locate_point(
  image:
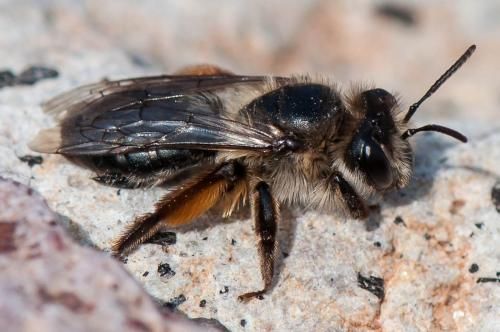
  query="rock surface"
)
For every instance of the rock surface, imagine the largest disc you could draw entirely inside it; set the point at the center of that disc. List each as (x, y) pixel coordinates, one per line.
(50, 283)
(434, 244)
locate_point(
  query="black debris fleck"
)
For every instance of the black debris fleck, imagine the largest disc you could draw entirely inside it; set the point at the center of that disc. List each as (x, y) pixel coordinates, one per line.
(118, 192)
(203, 303)
(243, 323)
(7, 78)
(145, 274)
(29, 76)
(175, 302)
(479, 225)
(374, 285)
(427, 236)
(377, 244)
(495, 196)
(31, 160)
(473, 268)
(224, 291)
(398, 13)
(233, 242)
(205, 238)
(483, 280)
(34, 74)
(399, 221)
(163, 238)
(164, 270)
(285, 254)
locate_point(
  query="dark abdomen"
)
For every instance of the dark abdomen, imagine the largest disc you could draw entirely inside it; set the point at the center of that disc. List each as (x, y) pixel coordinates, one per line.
(144, 162)
(143, 168)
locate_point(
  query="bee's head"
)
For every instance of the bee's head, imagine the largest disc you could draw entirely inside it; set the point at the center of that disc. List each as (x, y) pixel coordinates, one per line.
(379, 147)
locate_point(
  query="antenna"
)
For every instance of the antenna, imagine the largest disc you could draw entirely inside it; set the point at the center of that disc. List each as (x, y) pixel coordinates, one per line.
(413, 108)
(438, 128)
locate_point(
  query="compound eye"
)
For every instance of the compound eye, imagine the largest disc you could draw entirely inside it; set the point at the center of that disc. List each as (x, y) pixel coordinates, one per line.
(373, 161)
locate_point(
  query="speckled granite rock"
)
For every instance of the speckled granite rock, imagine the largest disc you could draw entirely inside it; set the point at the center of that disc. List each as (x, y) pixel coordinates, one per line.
(431, 249)
(50, 283)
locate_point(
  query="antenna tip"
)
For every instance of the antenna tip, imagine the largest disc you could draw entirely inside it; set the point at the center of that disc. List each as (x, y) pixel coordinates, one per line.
(471, 50)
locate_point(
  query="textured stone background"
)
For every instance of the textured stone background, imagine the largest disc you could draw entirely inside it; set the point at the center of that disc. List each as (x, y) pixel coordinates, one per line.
(449, 218)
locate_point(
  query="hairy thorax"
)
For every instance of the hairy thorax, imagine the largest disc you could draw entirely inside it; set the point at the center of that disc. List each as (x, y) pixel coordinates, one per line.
(293, 177)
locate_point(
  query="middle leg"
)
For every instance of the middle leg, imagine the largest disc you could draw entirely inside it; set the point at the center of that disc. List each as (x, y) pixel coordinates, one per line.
(265, 211)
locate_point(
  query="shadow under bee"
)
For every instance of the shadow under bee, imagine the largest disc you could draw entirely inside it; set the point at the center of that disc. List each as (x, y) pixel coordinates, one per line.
(426, 167)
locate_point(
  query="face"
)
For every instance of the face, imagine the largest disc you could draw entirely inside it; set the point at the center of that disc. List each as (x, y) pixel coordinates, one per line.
(372, 147)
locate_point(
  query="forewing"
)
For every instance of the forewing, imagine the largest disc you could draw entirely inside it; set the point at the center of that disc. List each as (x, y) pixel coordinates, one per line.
(154, 86)
(172, 112)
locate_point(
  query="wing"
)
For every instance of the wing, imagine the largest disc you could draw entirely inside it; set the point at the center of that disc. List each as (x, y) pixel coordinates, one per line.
(172, 112)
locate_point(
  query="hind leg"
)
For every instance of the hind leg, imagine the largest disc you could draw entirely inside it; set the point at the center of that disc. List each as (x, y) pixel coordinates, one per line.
(181, 206)
(116, 180)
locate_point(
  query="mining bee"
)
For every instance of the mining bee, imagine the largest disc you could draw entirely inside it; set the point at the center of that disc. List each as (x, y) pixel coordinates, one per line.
(220, 139)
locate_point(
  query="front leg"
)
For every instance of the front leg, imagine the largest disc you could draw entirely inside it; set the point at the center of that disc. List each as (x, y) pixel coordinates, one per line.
(265, 211)
(351, 199)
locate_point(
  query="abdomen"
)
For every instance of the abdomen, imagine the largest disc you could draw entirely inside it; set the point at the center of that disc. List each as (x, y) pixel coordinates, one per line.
(143, 168)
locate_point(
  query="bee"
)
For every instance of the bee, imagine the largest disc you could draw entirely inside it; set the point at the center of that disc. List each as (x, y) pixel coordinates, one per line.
(220, 139)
